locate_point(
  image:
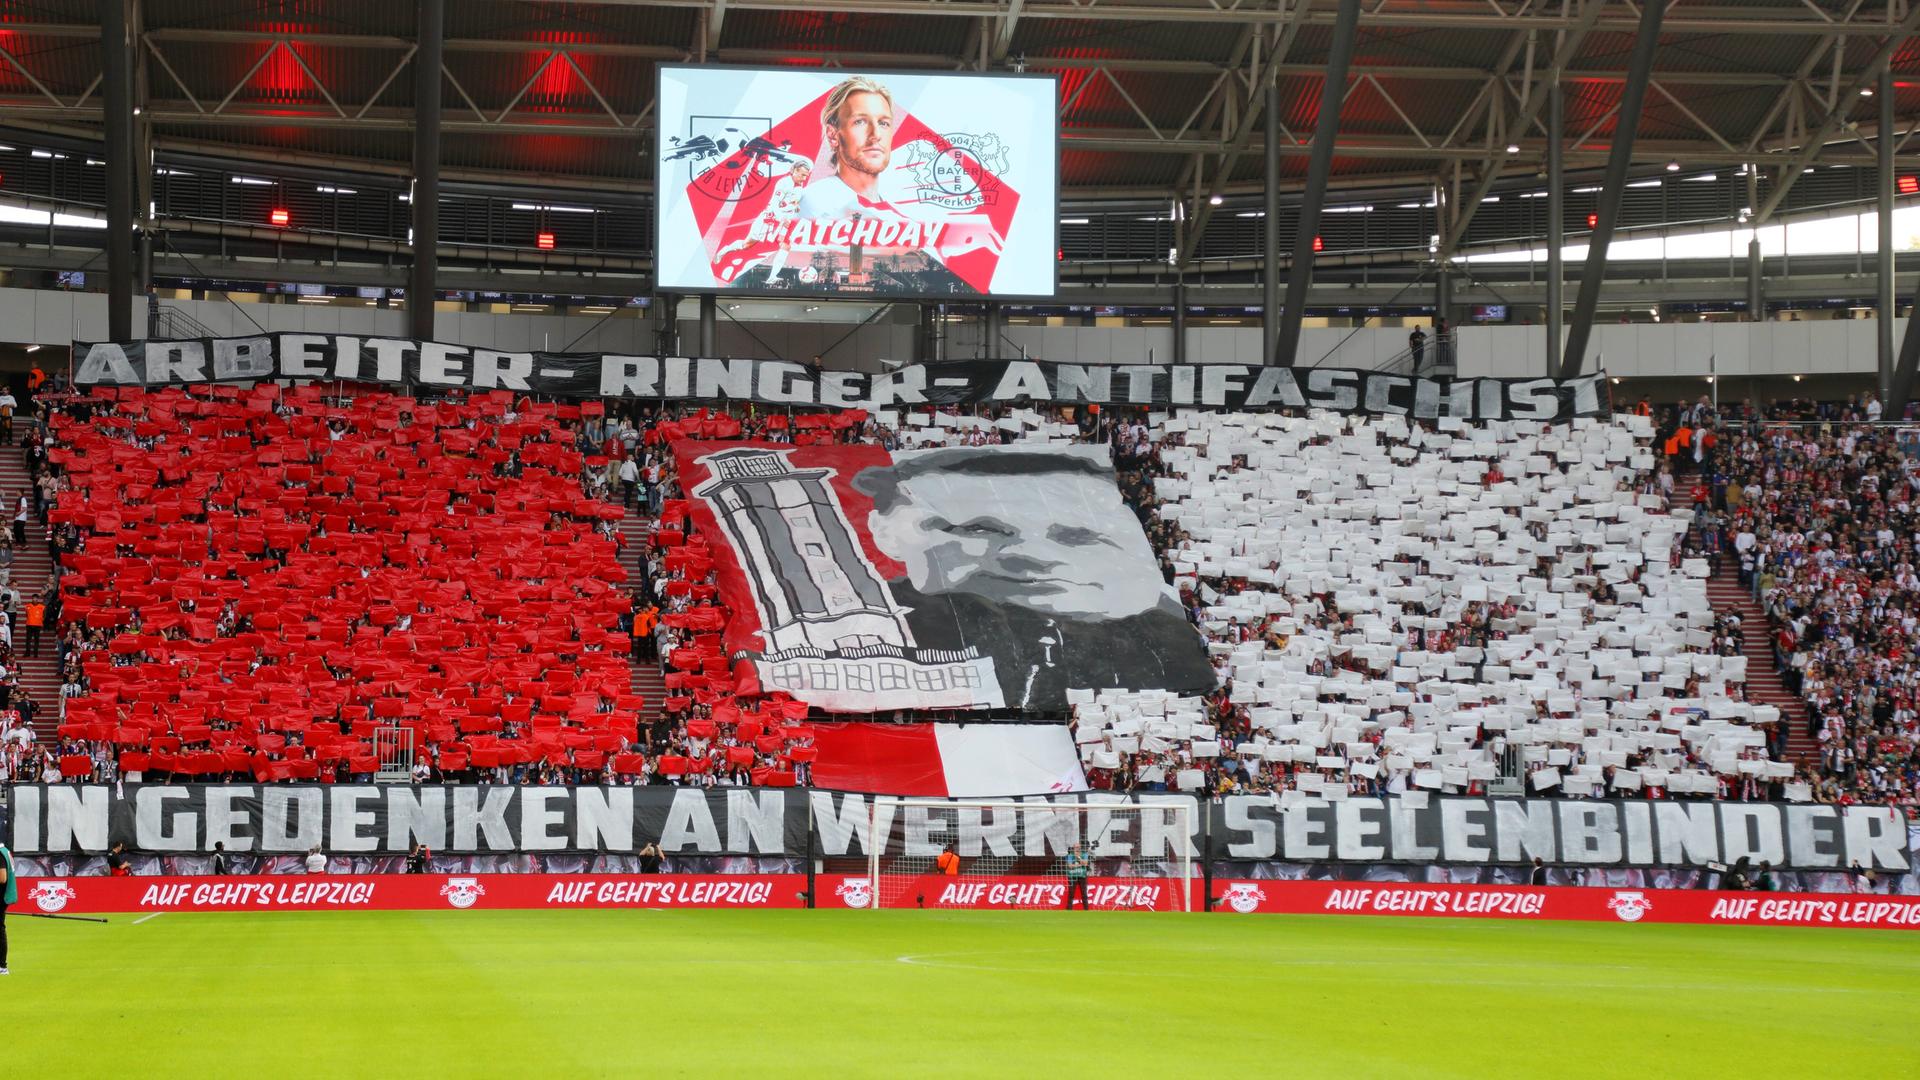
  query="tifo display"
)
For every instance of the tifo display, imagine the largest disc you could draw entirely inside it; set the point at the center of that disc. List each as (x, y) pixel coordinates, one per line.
(1329, 643)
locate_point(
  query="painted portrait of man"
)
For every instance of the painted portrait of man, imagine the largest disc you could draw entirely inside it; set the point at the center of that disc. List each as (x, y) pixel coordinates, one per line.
(1032, 557)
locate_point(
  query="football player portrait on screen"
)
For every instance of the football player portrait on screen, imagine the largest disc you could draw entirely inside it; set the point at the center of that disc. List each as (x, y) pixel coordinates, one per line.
(859, 125)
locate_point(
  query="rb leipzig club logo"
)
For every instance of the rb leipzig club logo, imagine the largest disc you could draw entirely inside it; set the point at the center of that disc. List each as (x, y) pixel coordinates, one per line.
(463, 892)
(855, 892)
(52, 896)
(1244, 897)
(1630, 906)
(730, 158)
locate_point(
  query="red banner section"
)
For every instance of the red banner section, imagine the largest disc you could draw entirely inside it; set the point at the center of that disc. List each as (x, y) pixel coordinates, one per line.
(1001, 893)
(1601, 904)
(898, 758)
(407, 892)
(396, 892)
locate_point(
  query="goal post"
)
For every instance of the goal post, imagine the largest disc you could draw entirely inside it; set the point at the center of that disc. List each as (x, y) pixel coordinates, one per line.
(1020, 854)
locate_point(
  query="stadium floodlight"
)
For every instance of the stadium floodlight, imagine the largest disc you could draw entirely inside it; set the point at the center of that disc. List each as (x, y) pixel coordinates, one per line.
(1013, 853)
(1513, 148)
(1673, 166)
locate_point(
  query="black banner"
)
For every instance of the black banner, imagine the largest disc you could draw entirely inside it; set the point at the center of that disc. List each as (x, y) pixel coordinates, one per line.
(437, 365)
(388, 819)
(1448, 830)
(1563, 832)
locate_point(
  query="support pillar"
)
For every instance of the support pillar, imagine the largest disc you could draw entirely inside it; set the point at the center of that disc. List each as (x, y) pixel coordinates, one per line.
(1756, 295)
(923, 334)
(1884, 256)
(1179, 324)
(143, 159)
(1270, 267)
(425, 204)
(1901, 390)
(991, 346)
(116, 83)
(666, 324)
(1556, 226)
(709, 312)
(1626, 122)
(1319, 164)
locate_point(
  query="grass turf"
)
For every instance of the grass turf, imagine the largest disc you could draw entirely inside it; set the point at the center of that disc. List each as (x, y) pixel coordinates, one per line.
(842, 993)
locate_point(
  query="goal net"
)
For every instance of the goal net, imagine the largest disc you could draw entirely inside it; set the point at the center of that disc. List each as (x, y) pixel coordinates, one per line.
(1007, 853)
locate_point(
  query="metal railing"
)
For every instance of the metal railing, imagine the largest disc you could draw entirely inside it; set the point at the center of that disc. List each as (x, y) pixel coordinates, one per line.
(166, 323)
(1438, 357)
(393, 748)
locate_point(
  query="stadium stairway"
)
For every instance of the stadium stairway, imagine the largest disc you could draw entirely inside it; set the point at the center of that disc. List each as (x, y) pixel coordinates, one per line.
(648, 680)
(32, 565)
(1765, 686)
(1764, 683)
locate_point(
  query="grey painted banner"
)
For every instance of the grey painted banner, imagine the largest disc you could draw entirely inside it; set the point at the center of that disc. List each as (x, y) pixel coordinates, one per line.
(389, 819)
(429, 365)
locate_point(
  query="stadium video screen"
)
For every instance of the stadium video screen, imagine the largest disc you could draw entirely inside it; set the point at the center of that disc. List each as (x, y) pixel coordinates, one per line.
(835, 182)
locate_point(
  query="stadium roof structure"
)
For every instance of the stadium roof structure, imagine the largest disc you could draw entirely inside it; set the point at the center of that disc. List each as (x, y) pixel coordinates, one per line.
(1156, 96)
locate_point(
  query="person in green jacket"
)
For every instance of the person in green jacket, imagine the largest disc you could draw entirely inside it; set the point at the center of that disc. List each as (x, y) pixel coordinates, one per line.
(1079, 866)
(9, 895)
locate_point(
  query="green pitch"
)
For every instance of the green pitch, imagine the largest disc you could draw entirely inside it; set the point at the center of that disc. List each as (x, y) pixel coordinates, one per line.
(846, 994)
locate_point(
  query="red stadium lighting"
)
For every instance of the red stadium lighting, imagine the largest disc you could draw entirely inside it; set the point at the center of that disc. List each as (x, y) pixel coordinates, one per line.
(1593, 221)
(1908, 185)
(1319, 245)
(544, 241)
(279, 217)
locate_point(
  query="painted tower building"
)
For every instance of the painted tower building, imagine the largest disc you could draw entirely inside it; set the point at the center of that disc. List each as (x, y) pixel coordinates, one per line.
(815, 589)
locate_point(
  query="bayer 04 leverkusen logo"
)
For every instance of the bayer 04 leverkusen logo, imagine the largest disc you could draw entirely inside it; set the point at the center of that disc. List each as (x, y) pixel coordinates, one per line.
(964, 175)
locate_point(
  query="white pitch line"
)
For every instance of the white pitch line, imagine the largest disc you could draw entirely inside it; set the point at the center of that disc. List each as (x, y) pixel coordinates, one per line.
(144, 918)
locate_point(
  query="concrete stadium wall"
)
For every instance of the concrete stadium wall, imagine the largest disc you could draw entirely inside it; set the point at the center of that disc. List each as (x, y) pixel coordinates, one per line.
(1827, 347)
